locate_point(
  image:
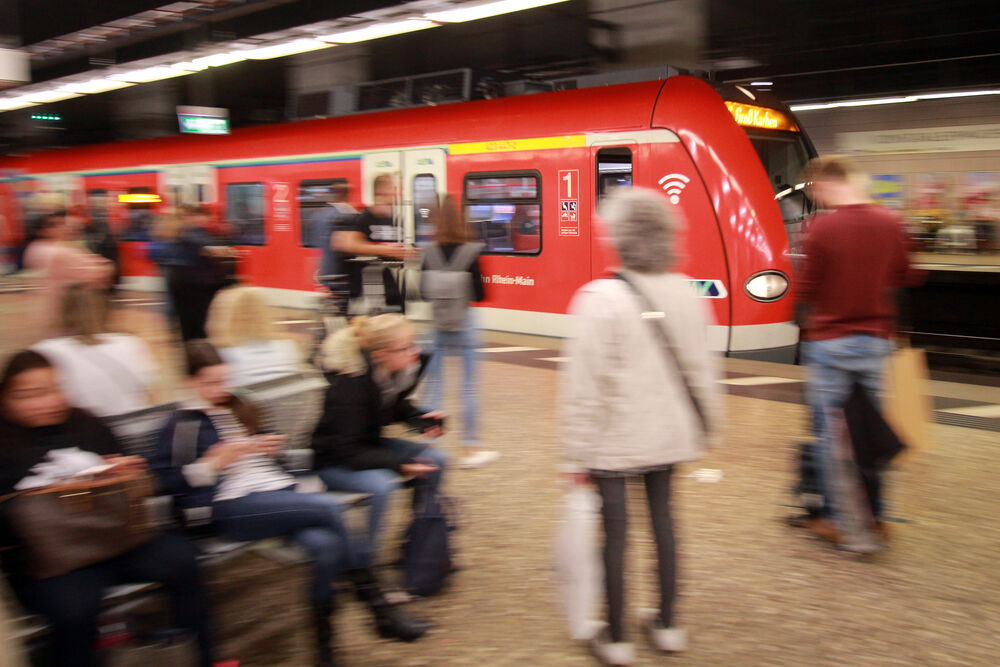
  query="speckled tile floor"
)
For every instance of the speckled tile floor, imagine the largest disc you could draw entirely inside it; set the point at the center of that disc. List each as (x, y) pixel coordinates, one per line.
(754, 592)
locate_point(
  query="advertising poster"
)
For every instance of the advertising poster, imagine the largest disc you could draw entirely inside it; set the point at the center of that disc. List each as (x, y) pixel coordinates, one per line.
(888, 190)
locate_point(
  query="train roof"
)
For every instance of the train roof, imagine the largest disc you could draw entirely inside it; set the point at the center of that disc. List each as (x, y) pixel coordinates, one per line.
(611, 108)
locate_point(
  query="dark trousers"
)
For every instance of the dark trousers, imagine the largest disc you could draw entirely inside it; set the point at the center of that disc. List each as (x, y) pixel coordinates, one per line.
(191, 301)
(72, 602)
(615, 515)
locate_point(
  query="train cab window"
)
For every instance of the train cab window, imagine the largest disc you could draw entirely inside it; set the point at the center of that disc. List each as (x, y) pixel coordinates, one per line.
(425, 205)
(504, 211)
(245, 213)
(140, 217)
(614, 170)
(313, 197)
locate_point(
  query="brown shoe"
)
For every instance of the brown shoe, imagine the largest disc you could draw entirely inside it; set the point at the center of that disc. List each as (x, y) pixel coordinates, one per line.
(825, 530)
(883, 531)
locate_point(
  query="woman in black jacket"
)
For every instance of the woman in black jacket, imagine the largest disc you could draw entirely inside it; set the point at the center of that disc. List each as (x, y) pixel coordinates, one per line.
(373, 367)
(35, 419)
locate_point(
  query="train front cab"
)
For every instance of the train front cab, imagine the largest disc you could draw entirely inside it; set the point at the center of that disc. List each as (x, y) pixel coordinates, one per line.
(737, 233)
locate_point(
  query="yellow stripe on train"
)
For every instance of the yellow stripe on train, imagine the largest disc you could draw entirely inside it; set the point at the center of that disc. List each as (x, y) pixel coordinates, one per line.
(507, 145)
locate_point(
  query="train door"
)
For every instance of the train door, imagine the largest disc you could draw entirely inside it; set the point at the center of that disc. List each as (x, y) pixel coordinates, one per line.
(191, 184)
(421, 180)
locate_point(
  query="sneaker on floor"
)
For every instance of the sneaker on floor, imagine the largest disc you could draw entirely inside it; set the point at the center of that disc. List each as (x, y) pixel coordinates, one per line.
(669, 640)
(612, 653)
(478, 458)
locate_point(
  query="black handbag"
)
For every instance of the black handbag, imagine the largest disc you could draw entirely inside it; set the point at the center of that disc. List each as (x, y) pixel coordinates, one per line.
(427, 552)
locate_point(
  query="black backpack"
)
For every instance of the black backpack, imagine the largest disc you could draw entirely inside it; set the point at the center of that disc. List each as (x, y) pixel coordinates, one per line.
(427, 552)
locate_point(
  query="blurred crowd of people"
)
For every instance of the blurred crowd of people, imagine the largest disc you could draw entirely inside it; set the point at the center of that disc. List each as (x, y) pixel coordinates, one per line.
(639, 391)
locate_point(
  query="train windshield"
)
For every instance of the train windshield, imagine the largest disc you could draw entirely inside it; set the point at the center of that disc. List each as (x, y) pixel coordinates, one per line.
(784, 156)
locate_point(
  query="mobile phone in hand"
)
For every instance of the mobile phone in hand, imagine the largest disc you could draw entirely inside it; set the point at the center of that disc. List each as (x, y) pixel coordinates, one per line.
(423, 424)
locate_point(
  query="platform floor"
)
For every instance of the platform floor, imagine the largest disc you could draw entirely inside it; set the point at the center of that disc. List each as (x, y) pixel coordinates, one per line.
(754, 591)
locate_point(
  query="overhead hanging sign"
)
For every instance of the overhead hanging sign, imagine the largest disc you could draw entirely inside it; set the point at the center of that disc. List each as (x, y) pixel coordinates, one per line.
(203, 120)
(951, 139)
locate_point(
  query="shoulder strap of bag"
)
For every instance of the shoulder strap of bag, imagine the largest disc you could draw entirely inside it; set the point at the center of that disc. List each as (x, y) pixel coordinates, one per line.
(669, 351)
(435, 257)
(463, 257)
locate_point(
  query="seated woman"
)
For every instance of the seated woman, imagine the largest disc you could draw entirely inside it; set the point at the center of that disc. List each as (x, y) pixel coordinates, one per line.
(102, 372)
(372, 367)
(35, 418)
(241, 327)
(211, 456)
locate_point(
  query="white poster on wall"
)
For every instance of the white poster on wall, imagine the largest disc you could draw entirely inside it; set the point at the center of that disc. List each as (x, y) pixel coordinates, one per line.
(921, 140)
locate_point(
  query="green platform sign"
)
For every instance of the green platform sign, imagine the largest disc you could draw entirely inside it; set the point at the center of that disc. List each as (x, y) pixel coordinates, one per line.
(203, 125)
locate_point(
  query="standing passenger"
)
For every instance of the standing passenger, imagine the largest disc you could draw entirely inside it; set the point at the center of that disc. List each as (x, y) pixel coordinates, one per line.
(450, 279)
(856, 260)
(199, 273)
(61, 264)
(371, 232)
(628, 412)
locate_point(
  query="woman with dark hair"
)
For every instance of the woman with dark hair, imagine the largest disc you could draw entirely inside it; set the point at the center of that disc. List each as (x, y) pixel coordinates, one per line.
(212, 457)
(35, 419)
(453, 261)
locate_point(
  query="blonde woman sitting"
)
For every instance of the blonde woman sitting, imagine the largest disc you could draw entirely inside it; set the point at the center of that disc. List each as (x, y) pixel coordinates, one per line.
(373, 367)
(241, 327)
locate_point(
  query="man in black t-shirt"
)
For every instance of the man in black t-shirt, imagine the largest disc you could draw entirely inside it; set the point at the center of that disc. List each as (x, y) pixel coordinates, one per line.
(371, 232)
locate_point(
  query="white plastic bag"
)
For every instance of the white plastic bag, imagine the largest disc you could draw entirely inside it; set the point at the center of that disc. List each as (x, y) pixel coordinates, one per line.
(579, 570)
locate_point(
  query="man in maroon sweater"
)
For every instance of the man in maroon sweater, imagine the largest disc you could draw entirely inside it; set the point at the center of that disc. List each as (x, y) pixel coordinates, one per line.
(856, 260)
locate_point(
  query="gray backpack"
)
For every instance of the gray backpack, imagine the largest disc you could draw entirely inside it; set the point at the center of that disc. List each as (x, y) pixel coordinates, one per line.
(448, 284)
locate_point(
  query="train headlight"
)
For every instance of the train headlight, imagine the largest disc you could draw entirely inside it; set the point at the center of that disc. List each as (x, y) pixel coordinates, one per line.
(767, 286)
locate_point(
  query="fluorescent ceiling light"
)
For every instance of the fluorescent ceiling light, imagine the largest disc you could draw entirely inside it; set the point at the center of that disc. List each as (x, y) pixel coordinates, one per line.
(150, 74)
(190, 66)
(96, 86)
(219, 59)
(892, 100)
(377, 30)
(483, 10)
(11, 103)
(55, 95)
(303, 45)
(761, 83)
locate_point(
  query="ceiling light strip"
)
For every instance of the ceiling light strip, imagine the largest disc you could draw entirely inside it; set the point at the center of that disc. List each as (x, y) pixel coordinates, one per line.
(892, 100)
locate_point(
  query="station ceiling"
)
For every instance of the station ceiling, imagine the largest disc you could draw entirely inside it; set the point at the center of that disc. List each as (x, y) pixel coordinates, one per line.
(810, 50)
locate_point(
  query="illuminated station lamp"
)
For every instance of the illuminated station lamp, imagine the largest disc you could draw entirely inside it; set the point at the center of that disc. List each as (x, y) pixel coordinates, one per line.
(203, 120)
(139, 198)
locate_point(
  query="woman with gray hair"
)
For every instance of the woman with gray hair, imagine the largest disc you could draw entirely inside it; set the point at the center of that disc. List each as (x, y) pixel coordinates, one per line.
(639, 397)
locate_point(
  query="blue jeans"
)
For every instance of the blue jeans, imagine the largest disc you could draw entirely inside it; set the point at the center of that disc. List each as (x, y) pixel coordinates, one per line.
(832, 368)
(380, 483)
(464, 343)
(310, 520)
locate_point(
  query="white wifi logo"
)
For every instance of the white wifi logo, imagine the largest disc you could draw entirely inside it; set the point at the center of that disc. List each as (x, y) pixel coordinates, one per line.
(674, 184)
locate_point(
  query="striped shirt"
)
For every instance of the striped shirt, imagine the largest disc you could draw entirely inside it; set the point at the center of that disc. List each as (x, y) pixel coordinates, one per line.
(250, 474)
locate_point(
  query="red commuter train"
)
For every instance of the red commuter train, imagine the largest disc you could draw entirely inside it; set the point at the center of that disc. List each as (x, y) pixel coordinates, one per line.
(529, 171)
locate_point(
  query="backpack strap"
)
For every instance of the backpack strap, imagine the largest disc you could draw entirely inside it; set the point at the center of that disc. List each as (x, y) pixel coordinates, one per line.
(464, 256)
(434, 257)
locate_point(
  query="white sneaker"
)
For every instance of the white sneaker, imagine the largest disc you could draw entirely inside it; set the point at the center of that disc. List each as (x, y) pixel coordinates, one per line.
(478, 459)
(669, 640)
(612, 653)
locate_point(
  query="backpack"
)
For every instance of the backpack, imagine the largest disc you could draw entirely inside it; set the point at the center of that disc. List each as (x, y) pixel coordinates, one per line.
(448, 284)
(427, 553)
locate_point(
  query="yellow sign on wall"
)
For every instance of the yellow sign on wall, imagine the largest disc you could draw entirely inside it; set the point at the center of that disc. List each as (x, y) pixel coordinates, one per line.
(749, 115)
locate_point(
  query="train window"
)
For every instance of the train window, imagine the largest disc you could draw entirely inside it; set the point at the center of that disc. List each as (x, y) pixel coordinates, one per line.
(245, 212)
(504, 211)
(425, 204)
(614, 170)
(313, 197)
(97, 205)
(140, 218)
